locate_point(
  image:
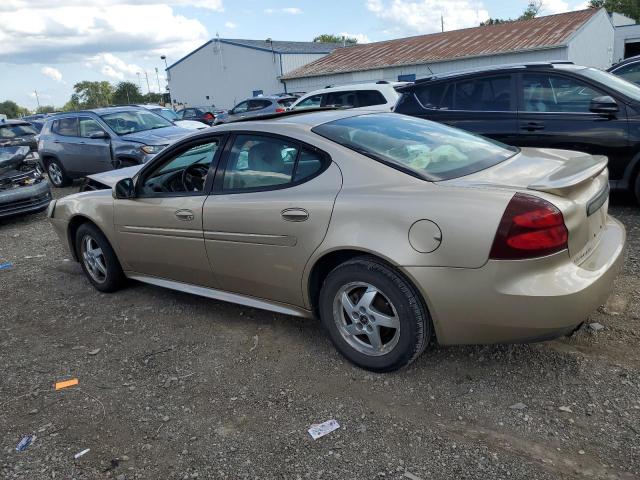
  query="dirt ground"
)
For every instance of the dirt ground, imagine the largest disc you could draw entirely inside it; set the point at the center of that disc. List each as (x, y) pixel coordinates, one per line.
(173, 386)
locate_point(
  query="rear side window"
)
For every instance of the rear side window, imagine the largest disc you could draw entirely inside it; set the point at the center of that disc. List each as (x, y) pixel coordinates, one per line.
(342, 99)
(286, 102)
(421, 148)
(492, 94)
(370, 97)
(257, 162)
(67, 127)
(430, 96)
(258, 104)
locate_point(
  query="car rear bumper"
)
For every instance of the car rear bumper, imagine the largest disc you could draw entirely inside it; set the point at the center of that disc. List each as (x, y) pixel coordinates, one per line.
(27, 199)
(520, 301)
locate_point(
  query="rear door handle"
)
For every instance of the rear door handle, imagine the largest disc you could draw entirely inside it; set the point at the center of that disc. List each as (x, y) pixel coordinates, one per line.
(295, 214)
(532, 126)
(186, 215)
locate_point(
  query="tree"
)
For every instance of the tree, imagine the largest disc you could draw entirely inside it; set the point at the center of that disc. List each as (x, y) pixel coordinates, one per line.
(630, 8)
(152, 97)
(46, 109)
(92, 94)
(11, 109)
(331, 38)
(126, 92)
(532, 11)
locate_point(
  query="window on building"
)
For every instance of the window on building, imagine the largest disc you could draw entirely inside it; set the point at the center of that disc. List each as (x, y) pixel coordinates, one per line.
(407, 77)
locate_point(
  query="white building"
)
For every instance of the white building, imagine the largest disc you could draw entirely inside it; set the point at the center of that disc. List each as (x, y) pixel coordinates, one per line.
(222, 72)
(627, 43)
(585, 37)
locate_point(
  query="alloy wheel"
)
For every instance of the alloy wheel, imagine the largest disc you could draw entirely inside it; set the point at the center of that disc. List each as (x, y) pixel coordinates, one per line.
(55, 173)
(366, 319)
(93, 259)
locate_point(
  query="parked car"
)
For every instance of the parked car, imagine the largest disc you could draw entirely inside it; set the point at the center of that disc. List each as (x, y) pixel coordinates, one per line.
(17, 133)
(171, 115)
(200, 114)
(546, 105)
(382, 95)
(23, 187)
(629, 69)
(391, 229)
(75, 144)
(255, 107)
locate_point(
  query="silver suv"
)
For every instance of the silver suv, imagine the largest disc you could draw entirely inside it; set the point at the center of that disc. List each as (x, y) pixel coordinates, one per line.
(73, 145)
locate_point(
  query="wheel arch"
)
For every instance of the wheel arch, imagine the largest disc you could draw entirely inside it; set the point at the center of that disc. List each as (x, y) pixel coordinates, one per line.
(72, 228)
(329, 260)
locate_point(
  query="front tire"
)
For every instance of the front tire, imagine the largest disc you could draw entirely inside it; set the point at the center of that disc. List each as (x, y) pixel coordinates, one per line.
(98, 260)
(375, 318)
(636, 189)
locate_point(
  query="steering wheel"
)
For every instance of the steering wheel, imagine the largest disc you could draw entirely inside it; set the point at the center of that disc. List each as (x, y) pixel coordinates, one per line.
(193, 177)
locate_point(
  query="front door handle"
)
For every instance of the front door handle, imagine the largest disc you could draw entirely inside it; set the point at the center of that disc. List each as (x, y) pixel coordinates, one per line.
(532, 126)
(186, 215)
(295, 214)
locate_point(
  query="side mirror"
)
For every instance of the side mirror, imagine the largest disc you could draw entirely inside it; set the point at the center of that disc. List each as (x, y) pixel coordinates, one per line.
(124, 189)
(98, 135)
(604, 105)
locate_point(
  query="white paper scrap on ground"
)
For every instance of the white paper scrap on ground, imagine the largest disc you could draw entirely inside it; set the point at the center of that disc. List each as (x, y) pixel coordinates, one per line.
(321, 429)
(79, 454)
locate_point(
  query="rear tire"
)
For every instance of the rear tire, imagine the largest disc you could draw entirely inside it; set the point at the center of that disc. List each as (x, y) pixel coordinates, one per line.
(375, 318)
(98, 260)
(636, 189)
(57, 174)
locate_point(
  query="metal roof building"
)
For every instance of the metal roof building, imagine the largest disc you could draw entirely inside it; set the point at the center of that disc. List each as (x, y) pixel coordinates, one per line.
(225, 71)
(585, 37)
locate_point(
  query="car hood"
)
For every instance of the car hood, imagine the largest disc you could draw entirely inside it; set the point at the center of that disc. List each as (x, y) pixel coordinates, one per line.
(112, 177)
(190, 124)
(159, 136)
(11, 158)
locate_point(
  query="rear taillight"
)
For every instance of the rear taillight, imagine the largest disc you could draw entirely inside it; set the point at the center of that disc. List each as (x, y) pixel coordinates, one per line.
(530, 227)
(280, 110)
(209, 116)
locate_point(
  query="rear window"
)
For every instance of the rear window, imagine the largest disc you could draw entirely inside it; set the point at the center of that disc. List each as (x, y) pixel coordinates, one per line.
(419, 147)
(287, 102)
(13, 131)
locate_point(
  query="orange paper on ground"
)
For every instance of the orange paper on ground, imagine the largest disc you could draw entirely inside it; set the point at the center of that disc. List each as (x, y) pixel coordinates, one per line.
(66, 383)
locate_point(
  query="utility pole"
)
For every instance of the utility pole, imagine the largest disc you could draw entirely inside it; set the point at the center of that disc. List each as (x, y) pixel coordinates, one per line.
(166, 69)
(139, 82)
(37, 99)
(147, 77)
(158, 79)
(442, 21)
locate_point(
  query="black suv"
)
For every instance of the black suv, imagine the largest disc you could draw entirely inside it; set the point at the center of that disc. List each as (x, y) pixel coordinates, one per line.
(550, 105)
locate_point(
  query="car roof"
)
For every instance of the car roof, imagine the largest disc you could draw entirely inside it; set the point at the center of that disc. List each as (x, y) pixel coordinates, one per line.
(509, 67)
(355, 86)
(624, 62)
(13, 122)
(302, 118)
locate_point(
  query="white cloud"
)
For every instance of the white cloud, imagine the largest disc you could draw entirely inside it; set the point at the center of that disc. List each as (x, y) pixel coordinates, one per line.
(52, 73)
(560, 6)
(111, 72)
(361, 37)
(74, 30)
(41, 95)
(230, 25)
(117, 67)
(12, 5)
(424, 16)
(287, 10)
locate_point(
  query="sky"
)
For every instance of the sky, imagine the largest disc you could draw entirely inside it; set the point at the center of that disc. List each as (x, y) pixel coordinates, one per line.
(48, 45)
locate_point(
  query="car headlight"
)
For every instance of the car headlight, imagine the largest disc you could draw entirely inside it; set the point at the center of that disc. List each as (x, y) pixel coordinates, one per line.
(151, 149)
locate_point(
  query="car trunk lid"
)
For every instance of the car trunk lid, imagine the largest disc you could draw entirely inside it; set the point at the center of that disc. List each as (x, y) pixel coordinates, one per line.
(577, 183)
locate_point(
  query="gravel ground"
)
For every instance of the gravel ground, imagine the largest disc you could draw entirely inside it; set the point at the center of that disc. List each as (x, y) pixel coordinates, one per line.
(173, 386)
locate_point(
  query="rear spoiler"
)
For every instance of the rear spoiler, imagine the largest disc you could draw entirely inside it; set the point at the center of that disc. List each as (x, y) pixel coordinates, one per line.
(571, 175)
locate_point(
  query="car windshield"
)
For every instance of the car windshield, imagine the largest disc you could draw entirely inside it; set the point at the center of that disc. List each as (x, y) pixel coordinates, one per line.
(132, 121)
(623, 86)
(419, 147)
(13, 131)
(167, 113)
